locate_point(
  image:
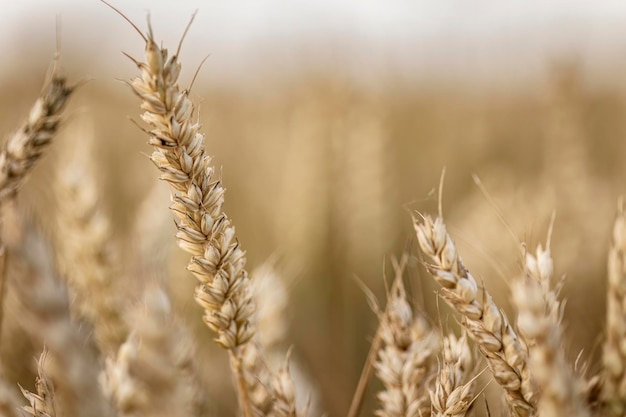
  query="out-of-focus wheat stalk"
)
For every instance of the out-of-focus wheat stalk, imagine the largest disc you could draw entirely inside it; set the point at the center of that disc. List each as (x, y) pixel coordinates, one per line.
(71, 367)
(27, 144)
(406, 361)
(454, 387)
(540, 316)
(84, 244)
(151, 375)
(505, 353)
(614, 355)
(24, 147)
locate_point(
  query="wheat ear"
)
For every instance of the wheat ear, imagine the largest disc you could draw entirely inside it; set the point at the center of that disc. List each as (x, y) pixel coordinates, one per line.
(84, 245)
(406, 361)
(26, 145)
(540, 316)
(71, 365)
(149, 375)
(204, 230)
(454, 387)
(614, 355)
(271, 393)
(485, 322)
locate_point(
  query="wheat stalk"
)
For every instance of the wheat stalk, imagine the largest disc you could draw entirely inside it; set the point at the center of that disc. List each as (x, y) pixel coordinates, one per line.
(505, 353)
(24, 147)
(614, 355)
(204, 230)
(540, 315)
(405, 362)
(150, 374)
(84, 245)
(71, 367)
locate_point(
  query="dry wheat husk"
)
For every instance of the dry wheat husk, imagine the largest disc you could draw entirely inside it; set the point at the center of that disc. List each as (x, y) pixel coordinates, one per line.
(41, 403)
(84, 246)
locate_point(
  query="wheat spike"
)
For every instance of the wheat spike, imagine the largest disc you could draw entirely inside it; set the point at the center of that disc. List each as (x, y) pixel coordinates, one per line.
(540, 316)
(505, 353)
(27, 144)
(406, 361)
(614, 356)
(150, 374)
(454, 389)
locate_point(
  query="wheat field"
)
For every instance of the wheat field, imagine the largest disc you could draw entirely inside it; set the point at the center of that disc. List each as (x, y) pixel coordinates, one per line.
(331, 247)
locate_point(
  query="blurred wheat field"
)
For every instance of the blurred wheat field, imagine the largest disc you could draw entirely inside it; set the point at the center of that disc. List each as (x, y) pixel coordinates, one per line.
(322, 173)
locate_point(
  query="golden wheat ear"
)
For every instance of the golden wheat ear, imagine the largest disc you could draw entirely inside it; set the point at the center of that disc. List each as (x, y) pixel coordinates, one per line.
(85, 249)
(540, 316)
(454, 391)
(71, 365)
(24, 147)
(484, 321)
(204, 230)
(406, 360)
(614, 357)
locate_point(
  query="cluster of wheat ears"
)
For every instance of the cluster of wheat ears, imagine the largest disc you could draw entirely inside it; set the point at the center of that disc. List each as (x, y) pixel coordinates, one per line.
(138, 360)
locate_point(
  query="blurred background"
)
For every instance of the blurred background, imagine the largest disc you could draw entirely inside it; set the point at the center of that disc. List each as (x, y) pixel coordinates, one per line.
(332, 121)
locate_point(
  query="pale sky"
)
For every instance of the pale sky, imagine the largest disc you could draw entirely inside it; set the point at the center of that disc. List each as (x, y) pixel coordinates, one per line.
(470, 35)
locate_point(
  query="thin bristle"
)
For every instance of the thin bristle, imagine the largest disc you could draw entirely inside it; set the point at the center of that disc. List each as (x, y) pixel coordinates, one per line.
(134, 26)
